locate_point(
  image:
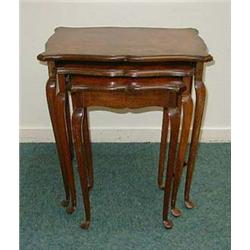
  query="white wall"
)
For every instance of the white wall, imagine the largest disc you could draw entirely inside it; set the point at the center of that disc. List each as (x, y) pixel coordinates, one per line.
(38, 20)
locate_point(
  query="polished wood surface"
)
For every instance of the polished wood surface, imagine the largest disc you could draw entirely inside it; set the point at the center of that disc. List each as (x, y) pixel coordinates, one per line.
(174, 119)
(187, 109)
(65, 147)
(51, 95)
(170, 100)
(200, 91)
(125, 44)
(126, 68)
(77, 123)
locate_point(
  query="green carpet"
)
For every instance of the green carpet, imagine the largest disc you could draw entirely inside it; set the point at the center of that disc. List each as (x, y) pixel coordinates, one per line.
(126, 203)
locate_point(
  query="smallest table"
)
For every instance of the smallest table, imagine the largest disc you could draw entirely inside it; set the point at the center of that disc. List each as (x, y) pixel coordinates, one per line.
(124, 92)
(125, 67)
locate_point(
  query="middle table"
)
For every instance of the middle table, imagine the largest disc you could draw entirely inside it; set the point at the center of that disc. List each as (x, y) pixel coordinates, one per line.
(122, 85)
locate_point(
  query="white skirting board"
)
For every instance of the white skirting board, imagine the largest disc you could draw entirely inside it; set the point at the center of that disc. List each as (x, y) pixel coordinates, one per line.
(123, 135)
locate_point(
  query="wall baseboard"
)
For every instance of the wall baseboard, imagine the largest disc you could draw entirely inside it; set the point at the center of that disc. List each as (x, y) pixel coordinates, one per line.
(123, 135)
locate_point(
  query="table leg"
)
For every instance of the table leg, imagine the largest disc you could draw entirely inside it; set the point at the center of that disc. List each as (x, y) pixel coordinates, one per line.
(77, 123)
(174, 117)
(51, 99)
(77, 102)
(87, 143)
(163, 147)
(187, 104)
(200, 91)
(69, 131)
(64, 143)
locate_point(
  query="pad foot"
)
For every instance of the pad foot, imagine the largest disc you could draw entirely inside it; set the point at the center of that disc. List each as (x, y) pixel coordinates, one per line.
(168, 224)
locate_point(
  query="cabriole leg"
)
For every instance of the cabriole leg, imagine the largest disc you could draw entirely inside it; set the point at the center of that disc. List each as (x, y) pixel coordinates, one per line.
(187, 105)
(77, 123)
(77, 102)
(51, 100)
(62, 133)
(174, 117)
(87, 143)
(163, 147)
(200, 91)
(69, 130)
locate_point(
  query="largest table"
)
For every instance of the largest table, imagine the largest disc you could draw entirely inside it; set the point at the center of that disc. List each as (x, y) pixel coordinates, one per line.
(126, 52)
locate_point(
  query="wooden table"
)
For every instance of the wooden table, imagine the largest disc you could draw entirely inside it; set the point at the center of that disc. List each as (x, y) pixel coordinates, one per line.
(116, 53)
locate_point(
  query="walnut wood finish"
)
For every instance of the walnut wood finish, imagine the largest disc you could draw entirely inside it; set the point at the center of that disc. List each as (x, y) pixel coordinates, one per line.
(126, 93)
(64, 143)
(120, 97)
(200, 91)
(187, 116)
(87, 142)
(174, 118)
(163, 147)
(124, 69)
(187, 107)
(51, 100)
(77, 102)
(68, 119)
(77, 124)
(125, 44)
(119, 66)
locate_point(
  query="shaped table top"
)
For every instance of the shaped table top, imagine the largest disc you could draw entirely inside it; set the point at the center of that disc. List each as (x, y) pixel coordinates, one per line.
(125, 44)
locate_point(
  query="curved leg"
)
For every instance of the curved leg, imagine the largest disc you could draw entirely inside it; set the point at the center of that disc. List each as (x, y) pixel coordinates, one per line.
(163, 147)
(87, 144)
(174, 116)
(51, 94)
(77, 102)
(77, 122)
(200, 91)
(62, 133)
(69, 131)
(187, 117)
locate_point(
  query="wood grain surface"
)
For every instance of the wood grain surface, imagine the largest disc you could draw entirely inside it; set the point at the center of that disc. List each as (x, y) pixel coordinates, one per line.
(125, 44)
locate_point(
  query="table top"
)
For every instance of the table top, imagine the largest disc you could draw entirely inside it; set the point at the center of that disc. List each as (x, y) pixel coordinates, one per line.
(125, 44)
